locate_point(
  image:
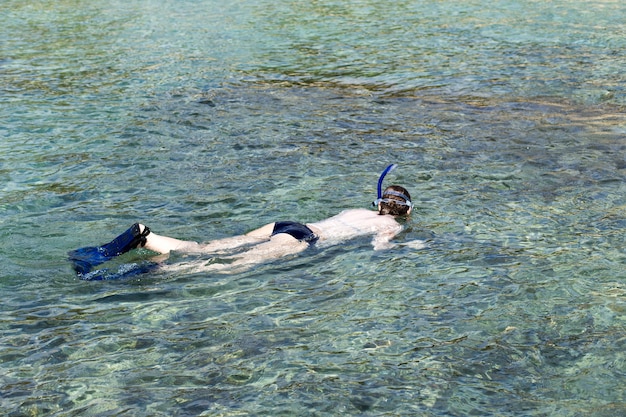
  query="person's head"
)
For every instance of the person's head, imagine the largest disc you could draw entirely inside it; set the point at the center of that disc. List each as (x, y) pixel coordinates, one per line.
(396, 201)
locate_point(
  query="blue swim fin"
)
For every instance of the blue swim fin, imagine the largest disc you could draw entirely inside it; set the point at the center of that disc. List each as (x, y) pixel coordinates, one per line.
(123, 271)
(85, 259)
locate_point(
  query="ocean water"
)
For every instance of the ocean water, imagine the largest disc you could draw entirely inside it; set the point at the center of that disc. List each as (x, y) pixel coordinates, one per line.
(206, 119)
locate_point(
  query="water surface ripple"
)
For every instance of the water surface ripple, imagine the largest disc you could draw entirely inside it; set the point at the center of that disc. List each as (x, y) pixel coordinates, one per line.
(205, 120)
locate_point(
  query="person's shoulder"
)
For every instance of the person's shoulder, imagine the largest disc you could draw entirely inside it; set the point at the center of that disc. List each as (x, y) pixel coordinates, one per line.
(368, 216)
(360, 213)
(358, 210)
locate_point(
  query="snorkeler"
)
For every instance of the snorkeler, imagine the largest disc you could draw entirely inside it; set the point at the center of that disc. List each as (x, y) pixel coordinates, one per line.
(270, 242)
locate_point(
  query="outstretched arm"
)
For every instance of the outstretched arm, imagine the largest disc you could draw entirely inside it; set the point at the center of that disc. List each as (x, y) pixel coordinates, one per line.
(382, 240)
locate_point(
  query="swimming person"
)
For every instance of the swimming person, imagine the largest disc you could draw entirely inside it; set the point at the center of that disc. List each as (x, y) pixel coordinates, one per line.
(270, 242)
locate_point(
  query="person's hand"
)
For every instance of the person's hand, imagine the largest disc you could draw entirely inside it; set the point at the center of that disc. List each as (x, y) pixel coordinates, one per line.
(415, 244)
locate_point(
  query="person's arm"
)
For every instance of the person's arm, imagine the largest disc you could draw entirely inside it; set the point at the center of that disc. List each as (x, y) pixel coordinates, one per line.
(382, 240)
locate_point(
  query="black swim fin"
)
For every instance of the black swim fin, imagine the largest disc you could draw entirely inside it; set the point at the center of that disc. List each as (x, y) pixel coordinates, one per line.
(85, 259)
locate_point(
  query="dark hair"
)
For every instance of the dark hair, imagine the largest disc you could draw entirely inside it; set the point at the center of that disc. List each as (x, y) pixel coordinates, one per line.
(388, 203)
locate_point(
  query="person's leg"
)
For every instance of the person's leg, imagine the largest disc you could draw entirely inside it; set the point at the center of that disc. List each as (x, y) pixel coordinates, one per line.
(279, 246)
(138, 235)
(165, 244)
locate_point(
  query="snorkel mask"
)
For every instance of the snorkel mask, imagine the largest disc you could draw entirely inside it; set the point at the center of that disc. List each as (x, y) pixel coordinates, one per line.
(380, 199)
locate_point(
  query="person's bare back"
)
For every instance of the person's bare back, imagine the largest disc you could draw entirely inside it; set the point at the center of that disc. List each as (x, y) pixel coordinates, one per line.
(350, 224)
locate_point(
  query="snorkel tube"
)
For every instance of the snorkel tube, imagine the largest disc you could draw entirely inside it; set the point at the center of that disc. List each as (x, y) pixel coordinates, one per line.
(407, 201)
(382, 177)
(380, 183)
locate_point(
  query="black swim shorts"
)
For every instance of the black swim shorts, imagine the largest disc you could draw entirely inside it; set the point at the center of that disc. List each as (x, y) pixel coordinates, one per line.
(295, 229)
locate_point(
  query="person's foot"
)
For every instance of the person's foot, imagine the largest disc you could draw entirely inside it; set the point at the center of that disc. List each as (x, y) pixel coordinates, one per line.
(84, 259)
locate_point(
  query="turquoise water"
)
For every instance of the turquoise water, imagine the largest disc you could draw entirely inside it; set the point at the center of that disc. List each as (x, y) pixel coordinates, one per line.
(205, 120)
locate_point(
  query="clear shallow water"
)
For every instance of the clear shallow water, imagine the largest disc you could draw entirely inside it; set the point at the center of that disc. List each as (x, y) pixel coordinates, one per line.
(204, 120)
